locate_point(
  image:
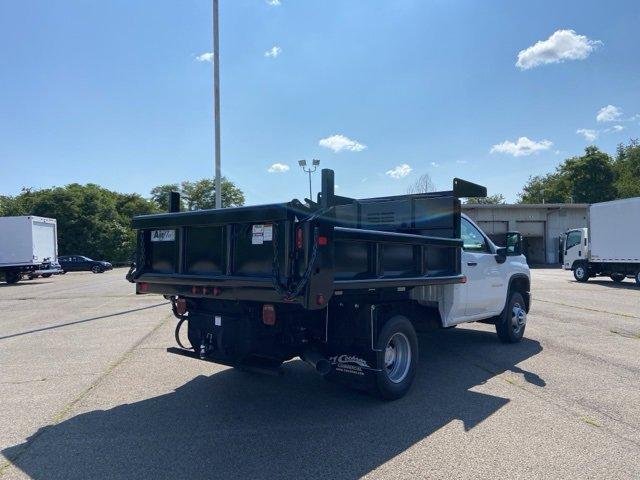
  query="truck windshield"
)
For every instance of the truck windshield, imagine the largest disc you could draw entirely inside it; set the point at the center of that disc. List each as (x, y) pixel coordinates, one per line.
(573, 239)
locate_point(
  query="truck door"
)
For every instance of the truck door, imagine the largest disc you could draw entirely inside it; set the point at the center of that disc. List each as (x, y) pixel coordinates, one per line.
(485, 284)
(573, 248)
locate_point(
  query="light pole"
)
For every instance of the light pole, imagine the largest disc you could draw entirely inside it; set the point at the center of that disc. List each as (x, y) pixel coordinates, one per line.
(303, 164)
(216, 102)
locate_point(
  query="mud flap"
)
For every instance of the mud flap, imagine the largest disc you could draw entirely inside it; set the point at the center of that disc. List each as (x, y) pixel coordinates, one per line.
(358, 366)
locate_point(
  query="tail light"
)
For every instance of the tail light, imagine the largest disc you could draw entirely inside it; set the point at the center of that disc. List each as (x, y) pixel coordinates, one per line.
(268, 314)
(299, 239)
(181, 306)
(143, 287)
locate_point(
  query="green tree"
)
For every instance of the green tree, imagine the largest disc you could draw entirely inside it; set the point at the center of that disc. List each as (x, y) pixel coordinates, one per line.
(585, 179)
(91, 220)
(198, 195)
(160, 195)
(627, 169)
(497, 199)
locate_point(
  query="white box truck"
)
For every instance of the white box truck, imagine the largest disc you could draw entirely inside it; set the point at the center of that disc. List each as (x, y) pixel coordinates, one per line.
(28, 246)
(610, 246)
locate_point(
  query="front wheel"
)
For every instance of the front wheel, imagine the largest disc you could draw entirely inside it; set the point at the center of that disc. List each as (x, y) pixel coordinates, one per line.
(97, 269)
(638, 278)
(46, 275)
(581, 273)
(511, 324)
(618, 277)
(398, 358)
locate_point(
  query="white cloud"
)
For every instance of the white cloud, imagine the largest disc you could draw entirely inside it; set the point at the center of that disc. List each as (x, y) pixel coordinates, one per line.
(588, 134)
(434, 164)
(205, 57)
(273, 3)
(521, 147)
(609, 113)
(560, 46)
(461, 162)
(337, 143)
(278, 168)
(273, 52)
(400, 171)
(617, 128)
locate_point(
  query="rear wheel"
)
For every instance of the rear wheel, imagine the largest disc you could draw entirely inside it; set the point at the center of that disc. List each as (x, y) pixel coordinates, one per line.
(618, 277)
(581, 273)
(398, 358)
(511, 324)
(46, 275)
(97, 269)
(12, 277)
(638, 278)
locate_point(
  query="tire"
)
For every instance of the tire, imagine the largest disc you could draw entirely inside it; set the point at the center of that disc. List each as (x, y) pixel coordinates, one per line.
(12, 277)
(638, 278)
(97, 269)
(46, 275)
(581, 273)
(398, 356)
(62, 272)
(511, 324)
(618, 277)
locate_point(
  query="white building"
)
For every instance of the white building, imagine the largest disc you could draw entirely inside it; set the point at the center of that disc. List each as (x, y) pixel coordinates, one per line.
(540, 225)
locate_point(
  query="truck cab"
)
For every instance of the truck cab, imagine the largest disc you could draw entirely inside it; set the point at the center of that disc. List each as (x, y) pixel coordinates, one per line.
(489, 272)
(575, 247)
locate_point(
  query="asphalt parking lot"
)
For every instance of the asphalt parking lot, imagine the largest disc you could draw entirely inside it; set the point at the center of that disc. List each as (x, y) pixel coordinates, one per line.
(88, 391)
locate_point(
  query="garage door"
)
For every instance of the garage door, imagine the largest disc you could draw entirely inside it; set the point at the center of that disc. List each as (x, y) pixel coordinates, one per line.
(493, 227)
(531, 229)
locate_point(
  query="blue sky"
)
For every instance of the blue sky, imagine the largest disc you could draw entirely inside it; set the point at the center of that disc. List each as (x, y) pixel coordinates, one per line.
(113, 92)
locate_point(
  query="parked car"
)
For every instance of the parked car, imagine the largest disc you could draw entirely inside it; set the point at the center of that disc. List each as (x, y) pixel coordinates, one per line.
(80, 263)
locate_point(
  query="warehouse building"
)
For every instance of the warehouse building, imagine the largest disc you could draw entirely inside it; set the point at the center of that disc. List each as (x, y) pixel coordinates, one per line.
(540, 224)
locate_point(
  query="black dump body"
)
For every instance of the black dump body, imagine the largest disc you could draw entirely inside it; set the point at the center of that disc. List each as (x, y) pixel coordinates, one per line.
(304, 254)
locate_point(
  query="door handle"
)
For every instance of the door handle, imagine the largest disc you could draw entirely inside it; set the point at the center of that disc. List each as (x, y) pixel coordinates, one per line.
(472, 264)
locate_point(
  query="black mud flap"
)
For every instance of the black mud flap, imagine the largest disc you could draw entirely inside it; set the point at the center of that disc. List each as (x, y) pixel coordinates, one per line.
(355, 369)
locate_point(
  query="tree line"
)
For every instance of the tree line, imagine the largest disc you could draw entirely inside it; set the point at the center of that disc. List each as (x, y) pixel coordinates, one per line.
(589, 178)
(95, 221)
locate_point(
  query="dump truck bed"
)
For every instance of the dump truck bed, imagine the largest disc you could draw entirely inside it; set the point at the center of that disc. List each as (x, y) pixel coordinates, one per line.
(302, 254)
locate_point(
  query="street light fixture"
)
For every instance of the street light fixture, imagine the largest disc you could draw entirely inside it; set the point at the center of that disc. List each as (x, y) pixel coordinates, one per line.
(303, 163)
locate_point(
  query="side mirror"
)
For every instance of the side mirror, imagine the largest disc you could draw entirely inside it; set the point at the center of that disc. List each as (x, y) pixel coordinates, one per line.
(513, 242)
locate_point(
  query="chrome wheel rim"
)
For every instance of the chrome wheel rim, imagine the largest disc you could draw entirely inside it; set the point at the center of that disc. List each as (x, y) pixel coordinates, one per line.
(518, 318)
(580, 272)
(397, 357)
(95, 269)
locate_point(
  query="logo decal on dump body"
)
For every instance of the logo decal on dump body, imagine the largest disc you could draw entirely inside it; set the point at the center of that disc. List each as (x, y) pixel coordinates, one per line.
(349, 364)
(163, 235)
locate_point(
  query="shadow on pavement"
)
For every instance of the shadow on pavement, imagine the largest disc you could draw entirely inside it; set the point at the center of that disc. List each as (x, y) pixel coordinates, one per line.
(628, 284)
(239, 425)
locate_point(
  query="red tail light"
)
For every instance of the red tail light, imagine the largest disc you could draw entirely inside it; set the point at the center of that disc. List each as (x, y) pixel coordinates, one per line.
(268, 314)
(299, 239)
(322, 241)
(143, 287)
(181, 306)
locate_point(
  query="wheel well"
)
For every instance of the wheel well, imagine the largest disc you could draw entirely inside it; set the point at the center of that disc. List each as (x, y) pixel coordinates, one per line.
(522, 285)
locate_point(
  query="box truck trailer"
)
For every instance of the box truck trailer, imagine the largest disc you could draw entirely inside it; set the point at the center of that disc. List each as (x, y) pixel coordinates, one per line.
(28, 246)
(609, 246)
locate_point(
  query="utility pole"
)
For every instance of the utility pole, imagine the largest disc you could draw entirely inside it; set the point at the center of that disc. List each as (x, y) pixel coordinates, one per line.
(216, 102)
(303, 164)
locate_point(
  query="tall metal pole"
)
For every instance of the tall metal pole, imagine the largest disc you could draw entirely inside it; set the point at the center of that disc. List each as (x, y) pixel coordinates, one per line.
(310, 192)
(216, 101)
